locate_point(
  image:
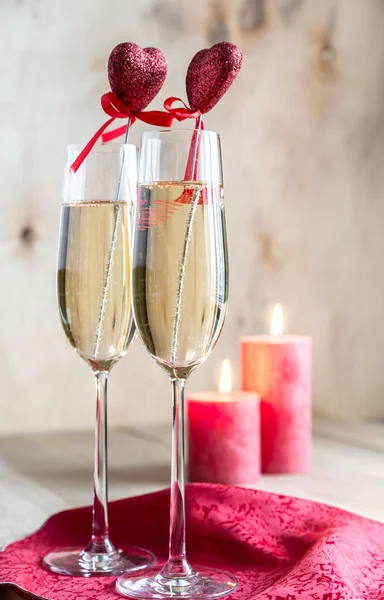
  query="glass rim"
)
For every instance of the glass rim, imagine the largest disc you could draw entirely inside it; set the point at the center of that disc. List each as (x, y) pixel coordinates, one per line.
(100, 147)
(184, 130)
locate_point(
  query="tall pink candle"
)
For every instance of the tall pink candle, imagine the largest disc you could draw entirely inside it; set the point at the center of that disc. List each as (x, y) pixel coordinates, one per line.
(278, 368)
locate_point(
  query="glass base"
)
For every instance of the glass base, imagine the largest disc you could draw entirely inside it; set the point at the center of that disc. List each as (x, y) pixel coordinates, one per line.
(203, 583)
(85, 564)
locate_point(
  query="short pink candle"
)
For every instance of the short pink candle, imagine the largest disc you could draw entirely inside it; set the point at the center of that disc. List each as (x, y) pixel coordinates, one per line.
(278, 368)
(223, 437)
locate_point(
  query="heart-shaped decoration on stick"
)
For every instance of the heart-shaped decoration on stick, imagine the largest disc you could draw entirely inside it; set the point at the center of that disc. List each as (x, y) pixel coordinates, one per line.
(210, 73)
(136, 75)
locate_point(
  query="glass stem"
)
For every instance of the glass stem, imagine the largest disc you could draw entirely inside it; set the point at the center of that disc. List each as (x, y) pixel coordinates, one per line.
(177, 565)
(100, 542)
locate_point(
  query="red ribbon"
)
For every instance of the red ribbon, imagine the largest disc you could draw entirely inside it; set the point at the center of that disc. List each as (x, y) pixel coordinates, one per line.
(116, 109)
(181, 113)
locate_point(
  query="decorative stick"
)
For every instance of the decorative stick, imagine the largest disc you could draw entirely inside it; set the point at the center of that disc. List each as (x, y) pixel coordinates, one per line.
(194, 159)
(187, 240)
(108, 270)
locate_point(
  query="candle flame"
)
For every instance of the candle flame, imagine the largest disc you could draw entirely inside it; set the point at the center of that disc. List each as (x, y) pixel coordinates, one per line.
(277, 321)
(225, 385)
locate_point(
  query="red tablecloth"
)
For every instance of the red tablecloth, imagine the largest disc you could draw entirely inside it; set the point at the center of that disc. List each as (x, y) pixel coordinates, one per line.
(280, 548)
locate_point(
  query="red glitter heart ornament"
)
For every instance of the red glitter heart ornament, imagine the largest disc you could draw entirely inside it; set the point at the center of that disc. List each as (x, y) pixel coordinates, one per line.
(210, 73)
(136, 75)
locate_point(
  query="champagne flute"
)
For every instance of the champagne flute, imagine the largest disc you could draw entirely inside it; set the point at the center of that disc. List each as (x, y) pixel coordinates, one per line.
(179, 294)
(95, 308)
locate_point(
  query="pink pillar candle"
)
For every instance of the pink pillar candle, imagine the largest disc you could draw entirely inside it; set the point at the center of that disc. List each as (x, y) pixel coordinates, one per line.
(278, 368)
(224, 437)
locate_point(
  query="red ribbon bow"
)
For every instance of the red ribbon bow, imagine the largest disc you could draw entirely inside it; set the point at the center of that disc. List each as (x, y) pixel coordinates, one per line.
(116, 109)
(181, 113)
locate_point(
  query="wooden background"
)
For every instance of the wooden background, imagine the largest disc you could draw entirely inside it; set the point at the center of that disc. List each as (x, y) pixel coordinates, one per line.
(303, 138)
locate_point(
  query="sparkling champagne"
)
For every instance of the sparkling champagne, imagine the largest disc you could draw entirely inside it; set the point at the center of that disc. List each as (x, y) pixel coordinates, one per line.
(94, 280)
(180, 285)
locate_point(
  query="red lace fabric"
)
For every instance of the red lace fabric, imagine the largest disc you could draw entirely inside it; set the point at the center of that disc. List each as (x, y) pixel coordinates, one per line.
(280, 548)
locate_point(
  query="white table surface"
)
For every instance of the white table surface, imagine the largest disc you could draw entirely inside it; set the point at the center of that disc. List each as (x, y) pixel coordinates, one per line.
(43, 474)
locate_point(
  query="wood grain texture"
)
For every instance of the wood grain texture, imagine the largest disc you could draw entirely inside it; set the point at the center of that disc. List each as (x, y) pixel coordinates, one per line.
(303, 135)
